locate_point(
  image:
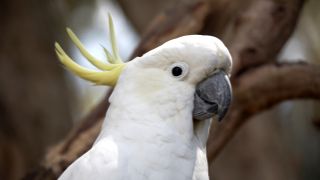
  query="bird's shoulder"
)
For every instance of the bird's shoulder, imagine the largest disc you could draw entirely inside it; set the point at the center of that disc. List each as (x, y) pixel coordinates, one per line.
(99, 161)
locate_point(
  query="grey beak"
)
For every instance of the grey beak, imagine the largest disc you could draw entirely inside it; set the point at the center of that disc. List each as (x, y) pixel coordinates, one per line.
(212, 97)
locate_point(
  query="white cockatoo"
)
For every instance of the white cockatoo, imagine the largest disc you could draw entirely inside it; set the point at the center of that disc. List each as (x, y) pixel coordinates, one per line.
(160, 110)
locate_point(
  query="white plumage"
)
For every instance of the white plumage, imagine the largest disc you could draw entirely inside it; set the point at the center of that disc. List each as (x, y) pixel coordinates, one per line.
(149, 132)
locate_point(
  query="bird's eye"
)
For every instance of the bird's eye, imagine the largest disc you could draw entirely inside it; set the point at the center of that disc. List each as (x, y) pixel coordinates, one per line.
(179, 70)
(176, 71)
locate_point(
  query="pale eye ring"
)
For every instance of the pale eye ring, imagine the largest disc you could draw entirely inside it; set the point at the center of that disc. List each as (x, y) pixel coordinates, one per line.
(179, 70)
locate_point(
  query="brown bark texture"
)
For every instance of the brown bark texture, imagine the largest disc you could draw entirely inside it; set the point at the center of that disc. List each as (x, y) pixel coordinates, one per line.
(254, 33)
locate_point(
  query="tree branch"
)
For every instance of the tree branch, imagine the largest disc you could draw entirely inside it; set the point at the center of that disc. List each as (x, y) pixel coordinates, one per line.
(261, 89)
(256, 37)
(258, 34)
(182, 19)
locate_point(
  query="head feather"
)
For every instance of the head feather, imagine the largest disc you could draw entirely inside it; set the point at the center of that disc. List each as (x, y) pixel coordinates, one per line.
(110, 72)
(116, 57)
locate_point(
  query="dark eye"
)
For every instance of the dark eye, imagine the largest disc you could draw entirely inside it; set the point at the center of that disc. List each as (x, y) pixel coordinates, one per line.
(179, 70)
(176, 71)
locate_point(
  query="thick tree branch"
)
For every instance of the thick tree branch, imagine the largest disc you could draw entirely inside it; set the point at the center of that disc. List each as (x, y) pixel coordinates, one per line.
(261, 89)
(256, 37)
(182, 19)
(258, 33)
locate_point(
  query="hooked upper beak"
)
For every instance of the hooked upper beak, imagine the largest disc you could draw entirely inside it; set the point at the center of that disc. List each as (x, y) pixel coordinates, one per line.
(212, 97)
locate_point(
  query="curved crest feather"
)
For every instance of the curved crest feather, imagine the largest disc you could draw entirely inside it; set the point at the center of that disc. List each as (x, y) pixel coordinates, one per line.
(109, 73)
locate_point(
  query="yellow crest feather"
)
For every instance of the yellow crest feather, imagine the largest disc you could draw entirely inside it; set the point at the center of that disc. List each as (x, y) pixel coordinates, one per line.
(99, 64)
(110, 72)
(116, 57)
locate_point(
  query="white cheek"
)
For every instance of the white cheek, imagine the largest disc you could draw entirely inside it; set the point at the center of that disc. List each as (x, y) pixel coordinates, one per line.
(149, 82)
(152, 85)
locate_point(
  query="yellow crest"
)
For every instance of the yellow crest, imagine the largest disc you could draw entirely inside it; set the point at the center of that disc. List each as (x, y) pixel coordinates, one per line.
(109, 73)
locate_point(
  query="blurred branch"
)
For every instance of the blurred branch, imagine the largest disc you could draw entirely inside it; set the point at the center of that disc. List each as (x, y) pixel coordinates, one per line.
(36, 101)
(182, 19)
(261, 89)
(141, 12)
(259, 33)
(256, 37)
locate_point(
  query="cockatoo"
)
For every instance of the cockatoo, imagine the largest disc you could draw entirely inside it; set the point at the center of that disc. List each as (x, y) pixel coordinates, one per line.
(160, 110)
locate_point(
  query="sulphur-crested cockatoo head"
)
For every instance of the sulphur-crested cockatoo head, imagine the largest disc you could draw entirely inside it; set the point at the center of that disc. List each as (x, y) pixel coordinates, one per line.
(192, 68)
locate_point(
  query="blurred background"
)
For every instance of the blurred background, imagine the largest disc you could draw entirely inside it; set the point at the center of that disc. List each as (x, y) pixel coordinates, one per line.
(40, 102)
